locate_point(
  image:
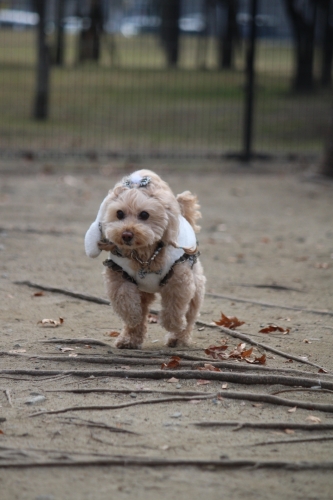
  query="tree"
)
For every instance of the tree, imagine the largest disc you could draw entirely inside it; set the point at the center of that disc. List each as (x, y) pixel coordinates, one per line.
(40, 111)
(59, 52)
(90, 36)
(228, 35)
(326, 167)
(326, 42)
(170, 13)
(303, 20)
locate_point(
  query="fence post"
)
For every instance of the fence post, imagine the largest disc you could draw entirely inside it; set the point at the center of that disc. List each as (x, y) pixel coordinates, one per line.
(249, 86)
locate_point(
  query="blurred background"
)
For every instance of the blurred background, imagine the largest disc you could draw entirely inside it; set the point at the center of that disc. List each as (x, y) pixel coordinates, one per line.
(165, 78)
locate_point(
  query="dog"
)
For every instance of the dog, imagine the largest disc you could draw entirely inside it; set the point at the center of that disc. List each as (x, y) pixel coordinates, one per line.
(150, 235)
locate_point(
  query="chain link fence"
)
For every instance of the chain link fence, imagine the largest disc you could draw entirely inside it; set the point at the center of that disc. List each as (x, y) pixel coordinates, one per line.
(113, 84)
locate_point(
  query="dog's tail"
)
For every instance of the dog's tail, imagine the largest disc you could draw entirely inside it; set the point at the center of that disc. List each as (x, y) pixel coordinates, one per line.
(189, 208)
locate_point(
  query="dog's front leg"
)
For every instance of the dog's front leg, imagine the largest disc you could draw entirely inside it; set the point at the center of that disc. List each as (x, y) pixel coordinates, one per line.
(132, 307)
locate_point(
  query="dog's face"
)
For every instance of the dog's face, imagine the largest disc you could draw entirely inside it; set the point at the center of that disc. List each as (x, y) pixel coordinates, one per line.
(134, 219)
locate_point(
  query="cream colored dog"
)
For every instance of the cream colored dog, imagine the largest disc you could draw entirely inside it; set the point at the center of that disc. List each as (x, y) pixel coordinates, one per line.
(150, 235)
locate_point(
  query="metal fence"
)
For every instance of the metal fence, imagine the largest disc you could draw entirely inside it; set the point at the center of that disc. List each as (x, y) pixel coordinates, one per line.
(115, 91)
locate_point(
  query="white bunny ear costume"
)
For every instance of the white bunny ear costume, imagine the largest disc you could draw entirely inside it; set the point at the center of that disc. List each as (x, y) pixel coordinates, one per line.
(94, 233)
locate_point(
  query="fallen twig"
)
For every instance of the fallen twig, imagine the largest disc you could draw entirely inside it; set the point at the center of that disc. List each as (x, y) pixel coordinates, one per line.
(63, 291)
(122, 405)
(248, 339)
(98, 425)
(83, 340)
(318, 390)
(268, 304)
(293, 441)
(263, 398)
(132, 461)
(240, 378)
(98, 300)
(8, 396)
(131, 391)
(266, 425)
(32, 230)
(134, 361)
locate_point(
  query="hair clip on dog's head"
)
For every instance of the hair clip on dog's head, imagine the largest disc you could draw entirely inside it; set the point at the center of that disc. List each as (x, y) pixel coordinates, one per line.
(136, 181)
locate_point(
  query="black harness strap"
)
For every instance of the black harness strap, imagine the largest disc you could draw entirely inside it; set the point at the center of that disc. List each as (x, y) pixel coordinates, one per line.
(112, 265)
(192, 259)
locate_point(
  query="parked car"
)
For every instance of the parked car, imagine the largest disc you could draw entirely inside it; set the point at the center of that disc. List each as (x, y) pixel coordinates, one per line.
(18, 19)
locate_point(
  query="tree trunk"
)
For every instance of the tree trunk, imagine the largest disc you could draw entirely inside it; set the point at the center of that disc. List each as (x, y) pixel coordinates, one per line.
(326, 167)
(60, 45)
(327, 45)
(303, 24)
(228, 36)
(90, 38)
(40, 111)
(170, 13)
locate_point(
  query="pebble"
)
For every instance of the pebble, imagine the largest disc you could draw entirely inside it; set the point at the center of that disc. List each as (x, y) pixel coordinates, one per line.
(35, 400)
(178, 414)
(133, 395)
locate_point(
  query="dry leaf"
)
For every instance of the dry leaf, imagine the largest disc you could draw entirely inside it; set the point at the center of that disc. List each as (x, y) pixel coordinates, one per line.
(51, 322)
(173, 363)
(66, 349)
(112, 334)
(224, 386)
(240, 353)
(173, 380)
(209, 368)
(152, 318)
(274, 328)
(246, 354)
(216, 351)
(313, 419)
(289, 431)
(257, 405)
(229, 322)
(38, 294)
(72, 355)
(203, 382)
(292, 410)
(321, 370)
(17, 351)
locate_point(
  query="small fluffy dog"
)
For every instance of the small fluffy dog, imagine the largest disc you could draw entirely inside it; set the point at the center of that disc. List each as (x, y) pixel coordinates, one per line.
(150, 234)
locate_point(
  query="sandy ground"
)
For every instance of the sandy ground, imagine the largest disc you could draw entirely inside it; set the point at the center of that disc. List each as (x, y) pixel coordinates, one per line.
(262, 227)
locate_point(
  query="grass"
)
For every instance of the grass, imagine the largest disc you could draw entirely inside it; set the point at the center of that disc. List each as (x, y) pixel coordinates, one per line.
(135, 104)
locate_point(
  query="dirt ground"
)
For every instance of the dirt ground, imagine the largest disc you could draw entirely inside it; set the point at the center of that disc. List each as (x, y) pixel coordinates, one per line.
(267, 237)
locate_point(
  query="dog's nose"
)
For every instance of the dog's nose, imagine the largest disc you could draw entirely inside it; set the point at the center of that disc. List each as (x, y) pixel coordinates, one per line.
(127, 236)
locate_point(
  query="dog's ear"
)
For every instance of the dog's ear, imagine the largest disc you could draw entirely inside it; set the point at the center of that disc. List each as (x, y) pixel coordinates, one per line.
(94, 233)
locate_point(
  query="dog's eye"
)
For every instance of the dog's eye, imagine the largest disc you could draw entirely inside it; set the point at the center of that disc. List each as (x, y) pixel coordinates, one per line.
(143, 215)
(120, 214)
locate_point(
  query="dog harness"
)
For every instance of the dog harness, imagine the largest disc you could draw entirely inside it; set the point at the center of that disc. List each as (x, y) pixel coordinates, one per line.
(144, 279)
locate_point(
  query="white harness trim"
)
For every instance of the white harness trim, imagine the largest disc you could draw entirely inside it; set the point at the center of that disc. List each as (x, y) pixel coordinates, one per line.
(149, 281)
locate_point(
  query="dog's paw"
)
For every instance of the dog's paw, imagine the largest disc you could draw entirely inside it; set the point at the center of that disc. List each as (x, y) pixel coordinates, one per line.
(175, 342)
(126, 343)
